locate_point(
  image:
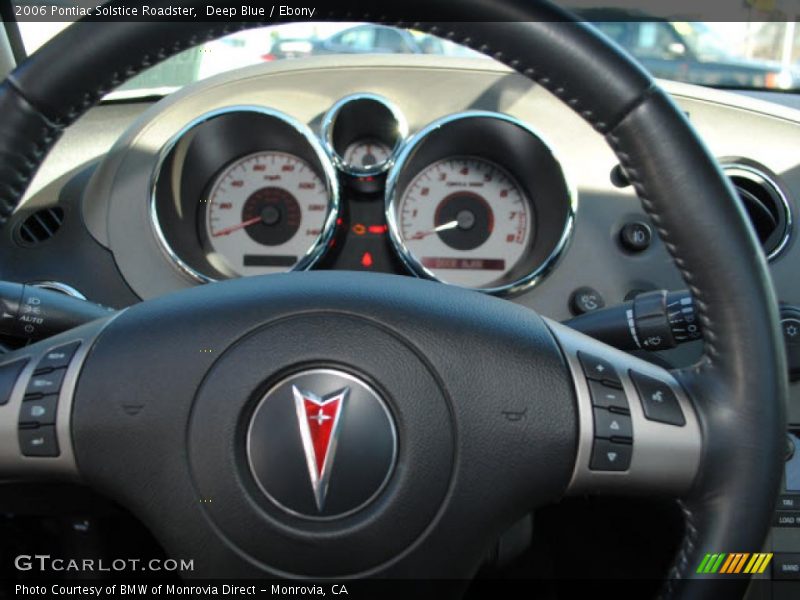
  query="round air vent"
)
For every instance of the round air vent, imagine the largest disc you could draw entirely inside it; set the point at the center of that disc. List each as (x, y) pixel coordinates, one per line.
(40, 226)
(766, 205)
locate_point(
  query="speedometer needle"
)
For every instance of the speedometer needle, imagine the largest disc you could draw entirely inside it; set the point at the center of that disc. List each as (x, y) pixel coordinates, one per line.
(232, 228)
(443, 227)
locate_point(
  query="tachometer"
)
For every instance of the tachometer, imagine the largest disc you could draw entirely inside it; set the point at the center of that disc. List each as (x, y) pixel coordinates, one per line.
(265, 212)
(466, 221)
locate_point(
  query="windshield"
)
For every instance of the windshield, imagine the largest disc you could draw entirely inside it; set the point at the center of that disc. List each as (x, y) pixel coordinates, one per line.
(751, 55)
(703, 41)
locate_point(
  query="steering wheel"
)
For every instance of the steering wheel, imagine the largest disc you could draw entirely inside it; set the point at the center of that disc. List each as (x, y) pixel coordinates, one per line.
(330, 424)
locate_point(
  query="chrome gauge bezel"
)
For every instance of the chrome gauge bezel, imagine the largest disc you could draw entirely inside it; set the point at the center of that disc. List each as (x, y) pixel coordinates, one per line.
(328, 128)
(313, 254)
(394, 193)
(761, 176)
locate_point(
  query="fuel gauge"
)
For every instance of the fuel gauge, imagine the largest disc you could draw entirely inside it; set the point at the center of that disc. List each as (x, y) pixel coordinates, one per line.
(366, 154)
(363, 133)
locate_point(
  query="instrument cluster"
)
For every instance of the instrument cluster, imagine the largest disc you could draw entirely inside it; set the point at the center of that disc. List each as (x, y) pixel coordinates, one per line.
(475, 199)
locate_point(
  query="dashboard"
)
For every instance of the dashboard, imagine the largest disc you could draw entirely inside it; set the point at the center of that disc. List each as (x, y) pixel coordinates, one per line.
(484, 181)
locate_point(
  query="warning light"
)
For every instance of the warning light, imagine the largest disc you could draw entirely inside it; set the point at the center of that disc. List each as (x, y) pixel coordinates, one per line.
(339, 221)
(377, 229)
(366, 260)
(359, 229)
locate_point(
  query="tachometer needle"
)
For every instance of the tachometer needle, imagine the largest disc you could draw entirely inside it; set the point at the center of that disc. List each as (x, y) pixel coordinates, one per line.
(232, 228)
(443, 227)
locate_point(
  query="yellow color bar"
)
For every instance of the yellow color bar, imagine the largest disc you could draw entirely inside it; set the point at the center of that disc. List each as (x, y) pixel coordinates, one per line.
(759, 563)
(753, 562)
(763, 566)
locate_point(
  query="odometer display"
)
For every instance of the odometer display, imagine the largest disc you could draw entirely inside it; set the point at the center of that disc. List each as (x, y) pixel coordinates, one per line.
(466, 221)
(265, 213)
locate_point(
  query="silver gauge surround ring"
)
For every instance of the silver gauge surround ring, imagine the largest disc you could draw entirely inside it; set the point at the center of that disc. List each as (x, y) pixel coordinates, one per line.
(396, 129)
(328, 175)
(399, 176)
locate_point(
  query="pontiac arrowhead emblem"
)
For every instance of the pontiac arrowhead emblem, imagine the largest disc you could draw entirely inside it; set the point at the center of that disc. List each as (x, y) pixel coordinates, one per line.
(319, 420)
(326, 428)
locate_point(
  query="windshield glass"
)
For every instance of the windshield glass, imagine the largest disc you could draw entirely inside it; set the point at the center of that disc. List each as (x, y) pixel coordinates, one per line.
(752, 55)
(703, 41)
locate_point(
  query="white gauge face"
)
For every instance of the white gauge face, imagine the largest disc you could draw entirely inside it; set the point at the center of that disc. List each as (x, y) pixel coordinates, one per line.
(366, 154)
(466, 221)
(266, 211)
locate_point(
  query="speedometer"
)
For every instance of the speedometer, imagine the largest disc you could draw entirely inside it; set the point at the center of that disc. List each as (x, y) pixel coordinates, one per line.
(478, 199)
(466, 221)
(265, 212)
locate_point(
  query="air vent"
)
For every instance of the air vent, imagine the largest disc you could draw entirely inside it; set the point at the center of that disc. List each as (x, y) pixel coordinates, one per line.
(765, 203)
(40, 226)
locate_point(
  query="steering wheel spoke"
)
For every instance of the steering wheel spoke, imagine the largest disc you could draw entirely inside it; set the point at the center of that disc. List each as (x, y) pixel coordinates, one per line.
(37, 387)
(639, 431)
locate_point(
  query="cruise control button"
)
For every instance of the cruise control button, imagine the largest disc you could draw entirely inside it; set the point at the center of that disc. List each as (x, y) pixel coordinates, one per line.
(8, 377)
(41, 411)
(658, 400)
(606, 396)
(57, 357)
(46, 383)
(611, 425)
(599, 369)
(610, 456)
(38, 442)
(786, 566)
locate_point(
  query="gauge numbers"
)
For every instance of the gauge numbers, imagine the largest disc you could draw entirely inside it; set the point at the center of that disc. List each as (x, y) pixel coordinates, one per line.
(465, 221)
(265, 212)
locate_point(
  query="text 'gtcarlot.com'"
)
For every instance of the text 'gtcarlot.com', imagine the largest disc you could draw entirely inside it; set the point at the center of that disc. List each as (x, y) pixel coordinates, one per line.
(45, 563)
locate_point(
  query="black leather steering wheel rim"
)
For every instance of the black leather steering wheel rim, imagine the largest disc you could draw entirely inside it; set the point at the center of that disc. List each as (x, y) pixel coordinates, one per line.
(739, 386)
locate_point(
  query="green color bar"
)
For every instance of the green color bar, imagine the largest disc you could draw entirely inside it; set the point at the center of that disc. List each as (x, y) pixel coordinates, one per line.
(718, 564)
(711, 562)
(701, 568)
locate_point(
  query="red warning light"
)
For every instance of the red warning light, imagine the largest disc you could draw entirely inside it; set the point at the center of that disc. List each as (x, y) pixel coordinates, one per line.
(366, 260)
(377, 229)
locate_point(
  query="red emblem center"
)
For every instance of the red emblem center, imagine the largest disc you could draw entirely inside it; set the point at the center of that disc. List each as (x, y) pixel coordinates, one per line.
(320, 424)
